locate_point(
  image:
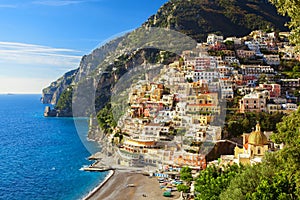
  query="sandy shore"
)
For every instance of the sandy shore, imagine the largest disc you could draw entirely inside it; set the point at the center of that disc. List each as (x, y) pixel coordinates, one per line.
(116, 188)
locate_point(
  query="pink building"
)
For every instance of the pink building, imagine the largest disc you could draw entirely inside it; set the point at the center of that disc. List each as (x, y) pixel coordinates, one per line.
(254, 102)
(274, 89)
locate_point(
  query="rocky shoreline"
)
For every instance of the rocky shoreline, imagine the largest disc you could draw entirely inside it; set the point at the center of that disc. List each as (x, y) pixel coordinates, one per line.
(52, 112)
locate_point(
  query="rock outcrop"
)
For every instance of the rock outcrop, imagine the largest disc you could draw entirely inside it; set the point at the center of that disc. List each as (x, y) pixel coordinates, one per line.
(51, 94)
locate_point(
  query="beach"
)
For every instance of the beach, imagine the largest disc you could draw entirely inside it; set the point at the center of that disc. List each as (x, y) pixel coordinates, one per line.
(125, 185)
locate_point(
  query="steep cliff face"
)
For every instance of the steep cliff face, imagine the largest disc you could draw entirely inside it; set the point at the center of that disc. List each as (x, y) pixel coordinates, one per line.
(89, 63)
(87, 66)
(52, 93)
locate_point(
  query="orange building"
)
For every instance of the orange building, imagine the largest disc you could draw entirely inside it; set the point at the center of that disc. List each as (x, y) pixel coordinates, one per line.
(192, 160)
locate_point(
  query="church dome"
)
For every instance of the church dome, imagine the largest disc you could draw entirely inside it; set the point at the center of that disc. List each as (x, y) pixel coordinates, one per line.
(257, 138)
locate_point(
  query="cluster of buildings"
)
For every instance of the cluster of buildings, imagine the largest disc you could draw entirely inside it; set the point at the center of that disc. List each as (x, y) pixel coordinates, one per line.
(260, 86)
(172, 119)
(169, 122)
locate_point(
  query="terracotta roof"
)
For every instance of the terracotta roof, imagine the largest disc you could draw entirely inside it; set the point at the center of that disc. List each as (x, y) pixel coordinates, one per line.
(246, 146)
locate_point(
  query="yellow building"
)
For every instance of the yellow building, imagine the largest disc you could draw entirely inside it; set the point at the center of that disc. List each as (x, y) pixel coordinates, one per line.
(138, 145)
(255, 145)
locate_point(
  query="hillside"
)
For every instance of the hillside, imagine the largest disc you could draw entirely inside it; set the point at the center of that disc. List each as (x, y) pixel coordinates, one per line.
(197, 18)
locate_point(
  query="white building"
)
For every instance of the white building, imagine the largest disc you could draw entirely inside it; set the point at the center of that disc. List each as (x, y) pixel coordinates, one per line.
(272, 59)
(164, 116)
(256, 70)
(226, 88)
(213, 38)
(232, 59)
(209, 76)
(181, 108)
(235, 40)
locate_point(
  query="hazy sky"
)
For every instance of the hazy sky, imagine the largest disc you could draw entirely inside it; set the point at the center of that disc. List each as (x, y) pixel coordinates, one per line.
(42, 39)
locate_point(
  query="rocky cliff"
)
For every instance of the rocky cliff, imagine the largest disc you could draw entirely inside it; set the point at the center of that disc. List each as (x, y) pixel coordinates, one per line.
(52, 93)
(88, 64)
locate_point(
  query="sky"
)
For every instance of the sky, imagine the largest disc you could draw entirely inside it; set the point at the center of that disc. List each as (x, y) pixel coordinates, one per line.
(40, 40)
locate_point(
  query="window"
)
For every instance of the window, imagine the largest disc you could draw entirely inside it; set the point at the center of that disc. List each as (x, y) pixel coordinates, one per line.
(258, 151)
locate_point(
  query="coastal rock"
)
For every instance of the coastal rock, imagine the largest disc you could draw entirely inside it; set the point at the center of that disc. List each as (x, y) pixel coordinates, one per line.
(50, 112)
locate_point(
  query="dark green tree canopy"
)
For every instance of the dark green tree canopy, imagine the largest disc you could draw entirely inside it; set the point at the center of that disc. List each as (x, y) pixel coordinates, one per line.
(291, 9)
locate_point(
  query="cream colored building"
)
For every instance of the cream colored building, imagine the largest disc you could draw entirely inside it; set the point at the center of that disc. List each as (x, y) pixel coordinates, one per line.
(255, 145)
(254, 102)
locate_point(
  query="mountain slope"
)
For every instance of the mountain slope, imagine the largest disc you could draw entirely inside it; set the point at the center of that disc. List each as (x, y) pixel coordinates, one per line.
(197, 18)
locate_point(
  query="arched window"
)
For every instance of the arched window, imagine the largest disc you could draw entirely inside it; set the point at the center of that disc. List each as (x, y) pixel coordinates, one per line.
(258, 151)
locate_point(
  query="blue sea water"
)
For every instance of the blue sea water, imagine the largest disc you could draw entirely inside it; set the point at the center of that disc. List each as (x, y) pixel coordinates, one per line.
(40, 158)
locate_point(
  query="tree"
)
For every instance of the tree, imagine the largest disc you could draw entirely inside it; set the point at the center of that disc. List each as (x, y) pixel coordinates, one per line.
(186, 174)
(262, 78)
(234, 128)
(183, 188)
(278, 188)
(289, 157)
(245, 183)
(212, 181)
(289, 130)
(65, 101)
(106, 119)
(291, 9)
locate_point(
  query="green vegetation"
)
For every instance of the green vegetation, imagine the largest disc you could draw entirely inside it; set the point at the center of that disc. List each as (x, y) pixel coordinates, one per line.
(244, 184)
(291, 9)
(216, 53)
(238, 123)
(277, 177)
(198, 18)
(212, 181)
(106, 119)
(59, 85)
(186, 174)
(290, 68)
(65, 101)
(183, 188)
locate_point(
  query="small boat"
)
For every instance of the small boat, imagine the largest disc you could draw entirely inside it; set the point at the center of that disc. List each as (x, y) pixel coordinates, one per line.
(130, 185)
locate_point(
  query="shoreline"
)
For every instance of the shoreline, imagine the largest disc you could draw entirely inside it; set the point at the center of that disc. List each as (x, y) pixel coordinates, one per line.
(97, 188)
(132, 185)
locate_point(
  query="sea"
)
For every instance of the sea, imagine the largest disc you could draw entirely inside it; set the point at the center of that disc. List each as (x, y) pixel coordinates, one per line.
(42, 158)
